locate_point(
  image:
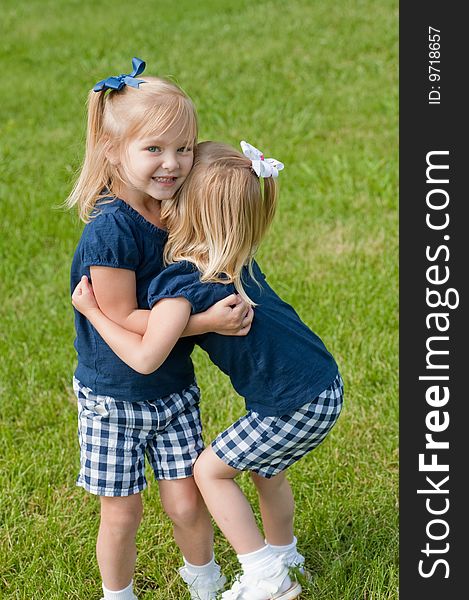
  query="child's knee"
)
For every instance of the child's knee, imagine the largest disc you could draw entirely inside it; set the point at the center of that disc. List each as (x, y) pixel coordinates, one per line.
(201, 468)
(210, 467)
(182, 501)
(205, 470)
(121, 515)
(185, 510)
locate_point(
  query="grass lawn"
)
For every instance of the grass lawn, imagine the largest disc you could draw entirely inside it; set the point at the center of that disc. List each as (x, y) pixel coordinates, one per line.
(313, 84)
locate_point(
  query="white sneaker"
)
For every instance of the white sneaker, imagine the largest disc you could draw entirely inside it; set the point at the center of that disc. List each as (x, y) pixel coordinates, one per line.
(203, 587)
(260, 586)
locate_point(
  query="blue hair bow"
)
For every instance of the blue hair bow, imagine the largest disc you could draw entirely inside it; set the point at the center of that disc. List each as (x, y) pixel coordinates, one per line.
(118, 82)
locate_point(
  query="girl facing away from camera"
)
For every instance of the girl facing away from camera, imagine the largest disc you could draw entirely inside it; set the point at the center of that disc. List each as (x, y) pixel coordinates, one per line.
(139, 150)
(291, 383)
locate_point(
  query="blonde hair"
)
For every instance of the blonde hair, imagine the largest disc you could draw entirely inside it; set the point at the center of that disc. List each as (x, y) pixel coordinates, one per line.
(114, 117)
(220, 215)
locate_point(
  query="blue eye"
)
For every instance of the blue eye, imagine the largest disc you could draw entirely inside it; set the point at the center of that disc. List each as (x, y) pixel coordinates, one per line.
(185, 149)
(153, 148)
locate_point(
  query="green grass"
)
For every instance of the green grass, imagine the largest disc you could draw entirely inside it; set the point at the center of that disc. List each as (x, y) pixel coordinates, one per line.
(311, 83)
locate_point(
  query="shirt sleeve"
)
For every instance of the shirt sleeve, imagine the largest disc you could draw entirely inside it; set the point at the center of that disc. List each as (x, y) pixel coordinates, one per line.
(183, 280)
(109, 240)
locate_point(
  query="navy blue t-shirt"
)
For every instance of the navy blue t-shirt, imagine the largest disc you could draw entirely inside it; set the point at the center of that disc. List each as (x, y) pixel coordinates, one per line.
(280, 365)
(120, 237)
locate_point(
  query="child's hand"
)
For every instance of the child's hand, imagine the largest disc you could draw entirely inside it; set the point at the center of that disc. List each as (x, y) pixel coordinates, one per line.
(230, 316)
(83, 297)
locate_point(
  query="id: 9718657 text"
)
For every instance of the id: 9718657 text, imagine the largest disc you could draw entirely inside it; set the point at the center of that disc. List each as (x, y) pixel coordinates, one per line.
(434, 76)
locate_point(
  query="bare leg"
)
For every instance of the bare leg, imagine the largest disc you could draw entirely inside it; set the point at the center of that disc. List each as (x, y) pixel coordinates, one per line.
(192, 527)
(227, 503)
(277, 508)
(115, 547)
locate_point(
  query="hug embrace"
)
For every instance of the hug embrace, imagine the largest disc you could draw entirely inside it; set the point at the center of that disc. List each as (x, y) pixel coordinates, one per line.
(166, 260)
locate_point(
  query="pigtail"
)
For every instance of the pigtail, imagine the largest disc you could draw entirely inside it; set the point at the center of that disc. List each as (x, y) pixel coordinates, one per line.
(260, 220)
(269, 200)
(95, 174)
(96, 101)
(269, 194)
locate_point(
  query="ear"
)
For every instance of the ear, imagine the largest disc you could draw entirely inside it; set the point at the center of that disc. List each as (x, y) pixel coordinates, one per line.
(112, 154)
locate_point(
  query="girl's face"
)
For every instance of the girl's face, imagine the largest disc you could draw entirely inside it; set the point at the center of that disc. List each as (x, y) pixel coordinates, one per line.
(155, 166)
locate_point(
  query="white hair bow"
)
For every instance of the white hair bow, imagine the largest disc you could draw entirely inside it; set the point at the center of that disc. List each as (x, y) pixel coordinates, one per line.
(263, 167)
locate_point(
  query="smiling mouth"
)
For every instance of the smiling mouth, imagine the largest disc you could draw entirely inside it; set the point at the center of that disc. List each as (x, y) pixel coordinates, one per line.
(167, 180)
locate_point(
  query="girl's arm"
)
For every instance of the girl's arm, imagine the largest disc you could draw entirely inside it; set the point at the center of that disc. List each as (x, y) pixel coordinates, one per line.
(229, 316)
(146, 353)
(116, 294)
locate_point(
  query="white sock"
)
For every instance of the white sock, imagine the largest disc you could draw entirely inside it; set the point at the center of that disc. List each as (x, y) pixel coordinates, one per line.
(198, 570)
(125, 594)
(259, 559)
(285, 549)
(290, 555)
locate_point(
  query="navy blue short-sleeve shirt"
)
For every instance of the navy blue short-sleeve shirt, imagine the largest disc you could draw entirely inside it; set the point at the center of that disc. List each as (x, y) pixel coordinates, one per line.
(119, 237)
(280, 365)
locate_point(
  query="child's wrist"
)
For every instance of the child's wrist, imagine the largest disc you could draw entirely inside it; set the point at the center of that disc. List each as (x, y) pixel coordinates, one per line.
(94, 312)
(202, 323)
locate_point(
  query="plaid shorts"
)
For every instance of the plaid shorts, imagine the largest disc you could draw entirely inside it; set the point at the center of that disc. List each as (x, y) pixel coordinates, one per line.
(268, 445)
(115, 436)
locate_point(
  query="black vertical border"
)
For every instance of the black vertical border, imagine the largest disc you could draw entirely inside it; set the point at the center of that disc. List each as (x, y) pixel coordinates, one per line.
(425, 128)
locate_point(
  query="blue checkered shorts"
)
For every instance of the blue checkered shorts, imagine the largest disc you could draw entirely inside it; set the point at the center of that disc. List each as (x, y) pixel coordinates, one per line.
(115, 436)
(268, 445)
